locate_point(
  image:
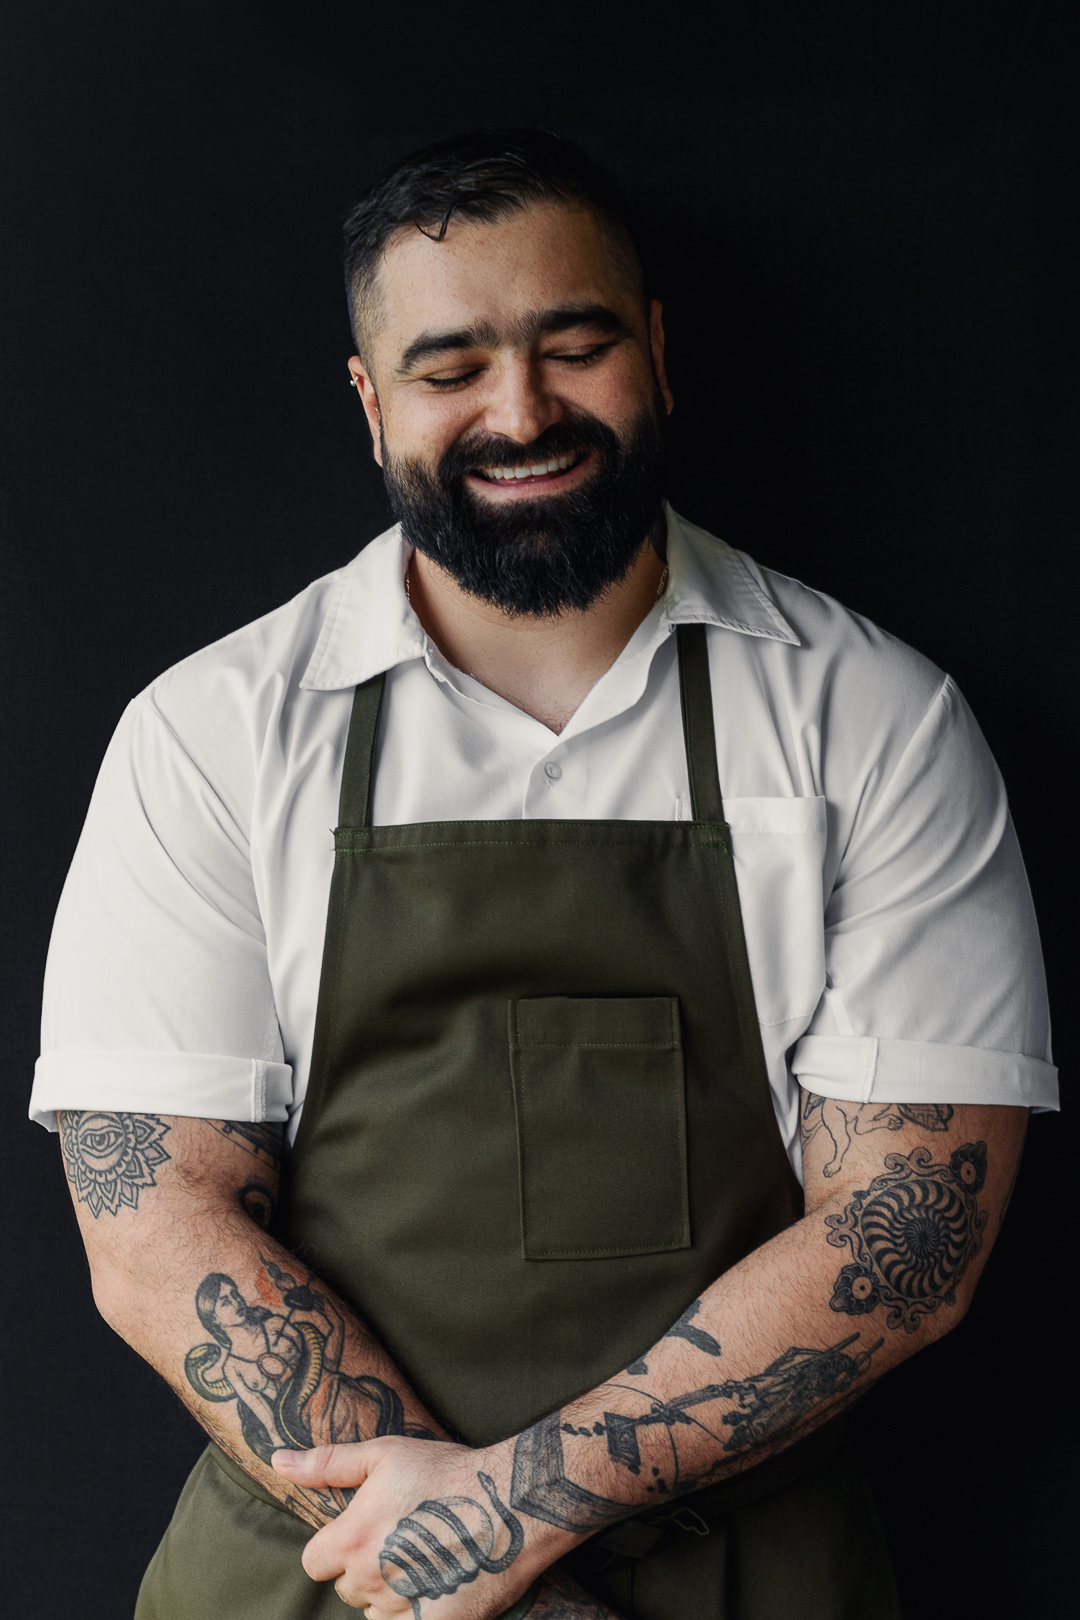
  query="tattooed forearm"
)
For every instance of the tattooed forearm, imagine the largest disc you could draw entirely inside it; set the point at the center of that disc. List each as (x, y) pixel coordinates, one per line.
(646, 1449)
(682, 1329)
(912, 1234)
(280, 1362)
(111, 1158)
(660, 1441)
(841, 1121)
(262, 1139)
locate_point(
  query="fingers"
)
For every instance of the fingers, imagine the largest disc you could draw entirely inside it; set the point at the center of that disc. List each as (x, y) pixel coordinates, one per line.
(340, 1466)
(330, 1557)
(390, 1476)
(356, 1582)
(349, 1592)
(341, 1552)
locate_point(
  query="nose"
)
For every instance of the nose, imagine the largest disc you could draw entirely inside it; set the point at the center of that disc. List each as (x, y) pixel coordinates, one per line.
(520, 407)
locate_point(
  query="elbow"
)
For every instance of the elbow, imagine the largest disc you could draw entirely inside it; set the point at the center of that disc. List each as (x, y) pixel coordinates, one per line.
(949, 1316)
(118, 1299)
(108, 1293)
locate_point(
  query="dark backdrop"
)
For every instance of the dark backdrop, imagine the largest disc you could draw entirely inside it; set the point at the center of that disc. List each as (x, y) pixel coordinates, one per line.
(861, 222)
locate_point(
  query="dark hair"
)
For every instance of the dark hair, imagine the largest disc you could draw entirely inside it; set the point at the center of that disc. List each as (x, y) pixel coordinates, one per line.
(482, 174)
(206, 1298)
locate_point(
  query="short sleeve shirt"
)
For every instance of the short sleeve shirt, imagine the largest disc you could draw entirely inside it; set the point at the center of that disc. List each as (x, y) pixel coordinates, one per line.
(891, 936)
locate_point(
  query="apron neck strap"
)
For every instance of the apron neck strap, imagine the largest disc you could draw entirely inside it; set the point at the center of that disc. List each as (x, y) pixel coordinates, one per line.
(358, 771)
(695, 688)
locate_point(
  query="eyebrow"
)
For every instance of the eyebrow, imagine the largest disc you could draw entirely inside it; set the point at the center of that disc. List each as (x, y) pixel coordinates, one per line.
(543, 323)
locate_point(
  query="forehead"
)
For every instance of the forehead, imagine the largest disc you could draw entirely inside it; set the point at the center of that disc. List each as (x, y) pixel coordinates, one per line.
(496, 274)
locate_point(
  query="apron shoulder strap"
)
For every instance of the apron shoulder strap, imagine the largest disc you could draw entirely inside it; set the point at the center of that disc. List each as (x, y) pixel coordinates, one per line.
(699, 732)
(706, 804)
(357, 774)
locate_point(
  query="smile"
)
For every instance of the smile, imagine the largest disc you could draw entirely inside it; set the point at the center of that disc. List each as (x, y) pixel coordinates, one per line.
(533, 471)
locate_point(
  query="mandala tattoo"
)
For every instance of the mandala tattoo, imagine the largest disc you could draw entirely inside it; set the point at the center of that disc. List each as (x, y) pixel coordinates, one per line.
(912, 1234)
(110, 1158)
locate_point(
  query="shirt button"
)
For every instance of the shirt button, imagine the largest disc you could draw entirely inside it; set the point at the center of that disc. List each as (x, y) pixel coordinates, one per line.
(552, 771)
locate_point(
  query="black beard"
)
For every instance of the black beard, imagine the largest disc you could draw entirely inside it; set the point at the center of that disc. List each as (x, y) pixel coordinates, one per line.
(541, 557)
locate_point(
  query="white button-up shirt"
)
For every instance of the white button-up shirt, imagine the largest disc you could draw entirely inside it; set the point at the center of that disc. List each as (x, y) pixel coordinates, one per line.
(891, 937)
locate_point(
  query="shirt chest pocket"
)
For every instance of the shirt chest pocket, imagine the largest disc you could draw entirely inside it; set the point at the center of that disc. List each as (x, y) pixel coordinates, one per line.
(599, 1100)
(779, 851)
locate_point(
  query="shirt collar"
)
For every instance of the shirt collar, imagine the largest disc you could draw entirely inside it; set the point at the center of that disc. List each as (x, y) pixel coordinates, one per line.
(369, 626)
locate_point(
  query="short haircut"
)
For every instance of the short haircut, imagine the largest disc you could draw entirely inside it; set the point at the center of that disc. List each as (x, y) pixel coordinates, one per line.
(482, 175)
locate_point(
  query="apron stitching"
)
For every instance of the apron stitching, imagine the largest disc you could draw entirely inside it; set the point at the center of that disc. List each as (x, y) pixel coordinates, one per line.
(700, 836)
(680, 1241)
(597, 1046)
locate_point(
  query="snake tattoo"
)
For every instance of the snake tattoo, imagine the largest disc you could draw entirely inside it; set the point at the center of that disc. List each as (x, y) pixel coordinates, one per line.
(440, 1546)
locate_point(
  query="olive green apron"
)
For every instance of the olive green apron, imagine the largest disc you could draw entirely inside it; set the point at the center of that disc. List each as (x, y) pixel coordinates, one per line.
(538, 1125)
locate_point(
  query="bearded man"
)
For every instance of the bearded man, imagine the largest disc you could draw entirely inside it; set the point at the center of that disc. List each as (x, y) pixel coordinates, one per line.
(520, 1051)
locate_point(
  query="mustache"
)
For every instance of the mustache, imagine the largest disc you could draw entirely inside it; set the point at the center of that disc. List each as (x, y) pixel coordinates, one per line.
(492, 450)
(551, 553)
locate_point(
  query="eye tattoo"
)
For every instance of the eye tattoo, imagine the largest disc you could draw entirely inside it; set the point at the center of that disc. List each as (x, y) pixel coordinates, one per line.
(111, 1158)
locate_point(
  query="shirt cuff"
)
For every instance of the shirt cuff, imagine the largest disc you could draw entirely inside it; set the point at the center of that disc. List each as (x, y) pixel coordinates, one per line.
(199, 1085)
(868, 1068)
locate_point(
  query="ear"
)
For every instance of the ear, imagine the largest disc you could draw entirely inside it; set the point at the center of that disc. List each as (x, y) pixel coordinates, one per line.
(370, 401)
(656, 343)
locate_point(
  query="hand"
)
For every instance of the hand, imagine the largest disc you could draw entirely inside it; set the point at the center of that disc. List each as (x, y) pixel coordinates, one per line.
(429, 1520)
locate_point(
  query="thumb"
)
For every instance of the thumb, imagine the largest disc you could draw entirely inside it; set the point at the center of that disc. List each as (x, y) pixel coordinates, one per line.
(346, 1465)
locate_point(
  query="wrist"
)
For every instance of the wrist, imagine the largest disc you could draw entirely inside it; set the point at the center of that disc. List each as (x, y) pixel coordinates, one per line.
(544, 1543)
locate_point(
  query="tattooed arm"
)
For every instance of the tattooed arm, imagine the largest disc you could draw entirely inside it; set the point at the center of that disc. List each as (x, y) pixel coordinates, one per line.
(173, 1212)
(902, 1206)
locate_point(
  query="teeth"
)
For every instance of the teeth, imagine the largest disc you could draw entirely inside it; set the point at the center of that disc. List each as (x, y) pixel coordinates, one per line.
(536, 470)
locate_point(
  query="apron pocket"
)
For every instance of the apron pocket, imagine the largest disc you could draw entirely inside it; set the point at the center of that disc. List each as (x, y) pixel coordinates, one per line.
(601, 1126)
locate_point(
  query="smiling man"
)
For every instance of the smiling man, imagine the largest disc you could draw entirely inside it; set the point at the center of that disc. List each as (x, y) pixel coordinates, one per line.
(519, 1184)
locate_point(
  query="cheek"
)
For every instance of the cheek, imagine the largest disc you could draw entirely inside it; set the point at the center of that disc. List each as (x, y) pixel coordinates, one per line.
(424, 427)
(616, 393)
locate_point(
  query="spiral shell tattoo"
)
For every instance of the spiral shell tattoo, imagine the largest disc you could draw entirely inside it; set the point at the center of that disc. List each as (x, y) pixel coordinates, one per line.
(912, 1233)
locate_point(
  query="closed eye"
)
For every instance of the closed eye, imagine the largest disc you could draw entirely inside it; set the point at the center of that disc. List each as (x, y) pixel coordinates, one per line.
(462, 378)
(585, 359)
(453, 382)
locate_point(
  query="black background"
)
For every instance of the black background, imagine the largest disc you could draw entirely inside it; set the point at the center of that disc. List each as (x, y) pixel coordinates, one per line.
(861, 221)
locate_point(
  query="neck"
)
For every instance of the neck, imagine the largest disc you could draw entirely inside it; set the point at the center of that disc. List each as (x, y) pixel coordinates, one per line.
(544, 666)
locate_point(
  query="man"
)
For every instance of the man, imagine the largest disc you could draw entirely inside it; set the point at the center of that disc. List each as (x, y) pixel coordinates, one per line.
(523, 1075)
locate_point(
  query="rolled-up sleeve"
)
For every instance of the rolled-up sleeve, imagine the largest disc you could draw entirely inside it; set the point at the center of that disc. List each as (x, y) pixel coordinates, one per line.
(157, 993)
(934, 989)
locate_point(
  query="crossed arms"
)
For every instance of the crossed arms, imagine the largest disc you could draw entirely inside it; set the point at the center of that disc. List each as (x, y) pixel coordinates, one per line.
(902, 1207)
